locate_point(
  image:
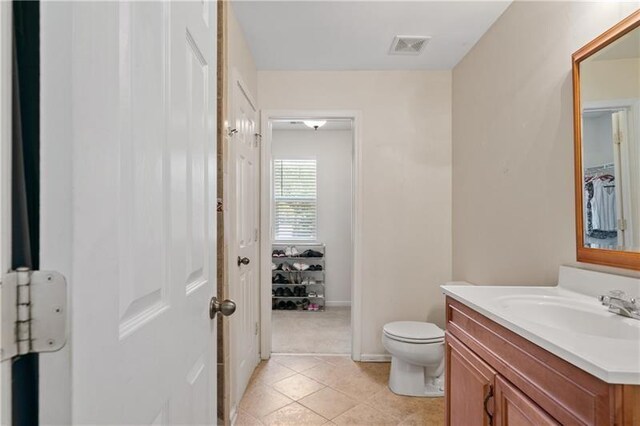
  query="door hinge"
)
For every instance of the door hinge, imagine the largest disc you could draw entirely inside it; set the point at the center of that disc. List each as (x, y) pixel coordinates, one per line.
(255, 234)
(622, 224)
(618, 138)
(256, 331)
(34, 312)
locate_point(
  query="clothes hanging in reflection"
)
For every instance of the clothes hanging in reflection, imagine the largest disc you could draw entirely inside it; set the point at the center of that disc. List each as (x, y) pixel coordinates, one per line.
(601, 207)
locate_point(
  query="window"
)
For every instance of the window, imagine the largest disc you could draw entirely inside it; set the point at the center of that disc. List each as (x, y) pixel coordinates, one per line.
(295, 199)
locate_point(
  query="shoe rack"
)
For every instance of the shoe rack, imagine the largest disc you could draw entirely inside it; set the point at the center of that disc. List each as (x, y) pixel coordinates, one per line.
(298, 280)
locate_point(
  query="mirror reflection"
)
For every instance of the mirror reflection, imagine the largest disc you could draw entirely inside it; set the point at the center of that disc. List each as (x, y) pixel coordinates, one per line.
(610, 106)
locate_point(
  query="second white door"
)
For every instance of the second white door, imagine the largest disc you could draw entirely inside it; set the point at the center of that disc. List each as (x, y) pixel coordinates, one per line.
(245, 234)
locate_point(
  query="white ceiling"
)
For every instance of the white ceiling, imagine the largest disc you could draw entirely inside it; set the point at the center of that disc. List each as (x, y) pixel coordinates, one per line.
(357, 35)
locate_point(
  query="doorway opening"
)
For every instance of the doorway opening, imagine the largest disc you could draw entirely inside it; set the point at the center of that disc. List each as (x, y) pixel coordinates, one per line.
(310, 290)
(609, 154)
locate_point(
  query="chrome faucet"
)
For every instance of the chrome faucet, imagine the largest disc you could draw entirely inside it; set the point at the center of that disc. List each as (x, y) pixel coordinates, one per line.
(619, 303)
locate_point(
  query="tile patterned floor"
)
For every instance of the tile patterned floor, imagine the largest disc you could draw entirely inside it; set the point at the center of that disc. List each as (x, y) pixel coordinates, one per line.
(330, 390)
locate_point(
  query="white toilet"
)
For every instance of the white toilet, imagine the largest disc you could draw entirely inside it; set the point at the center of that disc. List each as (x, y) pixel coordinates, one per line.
(417, 358)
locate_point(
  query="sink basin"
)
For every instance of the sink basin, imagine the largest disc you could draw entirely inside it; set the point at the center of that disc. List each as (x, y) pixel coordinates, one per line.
(570, 315)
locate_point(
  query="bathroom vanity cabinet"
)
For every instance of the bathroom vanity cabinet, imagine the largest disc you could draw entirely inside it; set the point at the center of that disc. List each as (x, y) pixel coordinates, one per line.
(496, 377)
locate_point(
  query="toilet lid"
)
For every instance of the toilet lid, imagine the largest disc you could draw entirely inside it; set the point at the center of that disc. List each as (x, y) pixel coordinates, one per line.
(414, 331)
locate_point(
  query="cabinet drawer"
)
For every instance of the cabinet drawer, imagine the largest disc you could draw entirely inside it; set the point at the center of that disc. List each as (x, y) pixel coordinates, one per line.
(567, 393)
(512, 407)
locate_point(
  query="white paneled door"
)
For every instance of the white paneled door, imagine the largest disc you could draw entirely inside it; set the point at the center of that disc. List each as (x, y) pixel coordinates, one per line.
(134, 231)
(244, 283)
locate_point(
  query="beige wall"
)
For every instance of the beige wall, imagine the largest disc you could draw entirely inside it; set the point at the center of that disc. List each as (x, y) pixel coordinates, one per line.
(239, 56)
(406, 166)
(608, 80)
(513, 197)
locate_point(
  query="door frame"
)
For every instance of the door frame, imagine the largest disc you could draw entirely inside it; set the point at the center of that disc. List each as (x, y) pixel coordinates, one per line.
(6, 37)
(266, 221)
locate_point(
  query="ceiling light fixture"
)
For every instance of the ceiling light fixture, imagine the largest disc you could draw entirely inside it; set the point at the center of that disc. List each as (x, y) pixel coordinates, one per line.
(314, 124)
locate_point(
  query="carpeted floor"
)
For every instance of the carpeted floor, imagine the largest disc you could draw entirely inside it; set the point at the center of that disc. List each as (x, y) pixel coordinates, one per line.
(327, 332)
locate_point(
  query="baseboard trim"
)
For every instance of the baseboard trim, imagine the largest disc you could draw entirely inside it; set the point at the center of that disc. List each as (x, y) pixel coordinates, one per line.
(375, 358)
(233, 417)
(338, 304)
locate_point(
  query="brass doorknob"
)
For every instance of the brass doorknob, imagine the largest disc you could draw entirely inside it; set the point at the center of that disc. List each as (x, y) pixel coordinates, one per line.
(243, 260)
(226, 307)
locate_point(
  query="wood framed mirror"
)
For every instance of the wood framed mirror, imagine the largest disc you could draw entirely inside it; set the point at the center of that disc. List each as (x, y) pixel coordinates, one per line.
(606, 114)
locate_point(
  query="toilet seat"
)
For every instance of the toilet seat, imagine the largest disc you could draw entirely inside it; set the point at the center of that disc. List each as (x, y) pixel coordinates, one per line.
(414, 332)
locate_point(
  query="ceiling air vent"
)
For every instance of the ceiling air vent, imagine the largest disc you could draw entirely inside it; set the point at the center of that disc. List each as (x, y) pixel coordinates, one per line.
(408, 45)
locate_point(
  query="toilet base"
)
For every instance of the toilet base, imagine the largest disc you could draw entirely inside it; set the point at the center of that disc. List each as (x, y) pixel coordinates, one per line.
(412, 380)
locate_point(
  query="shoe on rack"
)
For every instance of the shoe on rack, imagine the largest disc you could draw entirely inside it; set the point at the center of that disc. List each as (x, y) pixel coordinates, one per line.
(312, 281)
(311, 253)
(282, 305)
(299, 306)
(279, 279)
(291, 306)
(286, 267)
(300, 266)
(294, 252)
(288, 292)
(296, 291)
(305, 304)
(318, 267)
(273, 266)
(303, 291)
(313, 294)
(287, 251)
(279, 292)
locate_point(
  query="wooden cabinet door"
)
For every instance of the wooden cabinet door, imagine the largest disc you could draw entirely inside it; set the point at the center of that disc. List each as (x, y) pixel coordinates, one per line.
(513, 408)
(469, 383)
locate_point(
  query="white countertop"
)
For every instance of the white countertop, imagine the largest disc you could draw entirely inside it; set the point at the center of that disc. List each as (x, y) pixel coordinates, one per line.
(604, 344)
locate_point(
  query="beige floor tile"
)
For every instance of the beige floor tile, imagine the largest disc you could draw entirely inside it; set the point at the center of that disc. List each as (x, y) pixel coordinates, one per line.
(363, 415)
(379, 371)
(337, 360)
(328, 403)
(246, 419)
(357, 394)
(329, 357)
(297, 363)
(431, 413)
(261, 400)
(358, 386)
(294, 415)
(298, 386)
(270, 372)
(396, 405)
(324, 373)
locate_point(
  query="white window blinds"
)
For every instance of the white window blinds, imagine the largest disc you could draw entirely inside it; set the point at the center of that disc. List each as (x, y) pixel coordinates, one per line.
(295, 199)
